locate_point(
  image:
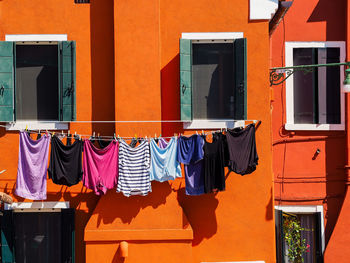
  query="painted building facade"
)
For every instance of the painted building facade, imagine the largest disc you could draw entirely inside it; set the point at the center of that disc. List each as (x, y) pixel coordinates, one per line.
(124, 64)
(310, 126)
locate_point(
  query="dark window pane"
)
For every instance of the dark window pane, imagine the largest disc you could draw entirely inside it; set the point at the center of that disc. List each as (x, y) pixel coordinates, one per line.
(36, 82)
(305, 106)
(333, 86)
(308, 222)
(213, 81)
(38, 237)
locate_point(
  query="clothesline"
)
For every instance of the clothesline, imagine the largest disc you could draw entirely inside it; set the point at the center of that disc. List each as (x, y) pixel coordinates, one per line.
(147, 121)
(111, 138)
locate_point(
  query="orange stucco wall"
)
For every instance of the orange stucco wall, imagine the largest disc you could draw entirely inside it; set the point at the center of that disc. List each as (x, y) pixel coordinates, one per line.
(299, 178)
(128, 69)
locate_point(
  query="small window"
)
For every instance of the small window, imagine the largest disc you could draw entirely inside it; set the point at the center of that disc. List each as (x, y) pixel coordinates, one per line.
(213, 79)
(311, 224)
(33, 235)
(37, 81)
(314, 99)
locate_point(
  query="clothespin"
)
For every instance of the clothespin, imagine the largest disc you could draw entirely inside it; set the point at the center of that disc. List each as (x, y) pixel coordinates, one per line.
(155, 135)
(68, 133)
(202, 132)
(26, 127)
(93, 135)
(114, 136)
(255, 121)
(160, 135)
(197, 132)
(98, 134)
(135, 136)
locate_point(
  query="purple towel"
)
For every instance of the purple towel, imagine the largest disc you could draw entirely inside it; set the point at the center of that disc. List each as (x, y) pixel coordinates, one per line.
(32, 167)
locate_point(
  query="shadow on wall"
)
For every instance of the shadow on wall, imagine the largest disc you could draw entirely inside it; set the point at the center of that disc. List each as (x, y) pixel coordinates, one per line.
(129, 207)
(102, 65)
(170, 92)
(334, 14)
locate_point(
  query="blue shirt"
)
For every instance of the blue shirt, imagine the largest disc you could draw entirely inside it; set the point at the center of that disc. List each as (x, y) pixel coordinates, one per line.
(164, 164)
(190, 153)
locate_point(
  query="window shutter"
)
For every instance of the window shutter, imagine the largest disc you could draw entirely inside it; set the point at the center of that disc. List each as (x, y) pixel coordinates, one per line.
(186, 79)
(279, 236)
(240, 72)
(6, 81)
(319, 252)
(68, 235)
(67, 81)
(7, 237)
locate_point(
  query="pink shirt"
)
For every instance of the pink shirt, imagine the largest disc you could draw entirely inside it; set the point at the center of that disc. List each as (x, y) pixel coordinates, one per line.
(100, 167)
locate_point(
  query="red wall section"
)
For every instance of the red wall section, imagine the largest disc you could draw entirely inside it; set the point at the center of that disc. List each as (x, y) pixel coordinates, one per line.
(301, 177)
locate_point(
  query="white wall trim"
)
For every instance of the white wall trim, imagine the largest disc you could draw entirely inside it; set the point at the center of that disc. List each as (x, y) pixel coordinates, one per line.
(237, 262)
(305, 209)
(262, 9)
(36, 125)
(212, 35)
(35, 37)
(36, 205)
(290, 125)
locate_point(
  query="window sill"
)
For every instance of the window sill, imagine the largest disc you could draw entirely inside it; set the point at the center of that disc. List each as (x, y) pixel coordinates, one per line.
(212, 124)
(314, 127)
(36, 125)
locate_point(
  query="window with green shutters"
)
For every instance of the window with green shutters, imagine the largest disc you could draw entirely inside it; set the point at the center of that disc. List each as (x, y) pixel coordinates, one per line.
(213, 77)
(38, 236)
(37, 81)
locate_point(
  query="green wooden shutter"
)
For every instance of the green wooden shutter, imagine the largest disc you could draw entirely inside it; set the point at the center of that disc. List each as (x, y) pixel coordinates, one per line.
(240, 72)
(7, 237)
(68, 235)
(6, 81)
(186, 79)
(67, 81)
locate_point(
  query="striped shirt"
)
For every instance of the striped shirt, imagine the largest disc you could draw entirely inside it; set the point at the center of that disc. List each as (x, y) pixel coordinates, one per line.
(134, 169)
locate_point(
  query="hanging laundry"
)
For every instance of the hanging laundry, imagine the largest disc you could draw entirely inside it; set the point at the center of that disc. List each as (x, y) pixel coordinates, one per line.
(65, 166)
(190, 153)
(100, 167)
(32, 167)
(134, 165)
(218, 135)
(162, 143)
(243, 155)
(214, 163)
(164, 164)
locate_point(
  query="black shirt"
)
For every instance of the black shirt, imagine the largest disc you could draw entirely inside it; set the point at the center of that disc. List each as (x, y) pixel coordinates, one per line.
(65, 166)
(214, 162)
(241, 145)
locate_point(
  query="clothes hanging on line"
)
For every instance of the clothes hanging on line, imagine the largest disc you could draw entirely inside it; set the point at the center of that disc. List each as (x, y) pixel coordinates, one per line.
(214, 163)
(100, 167)
(242, 148)
(164, 164)
(32, 167)
(65, 167)
(134, 169)
(190, 153)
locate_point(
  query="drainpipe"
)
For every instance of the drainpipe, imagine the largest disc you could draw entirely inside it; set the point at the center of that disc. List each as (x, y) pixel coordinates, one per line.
(283, 7)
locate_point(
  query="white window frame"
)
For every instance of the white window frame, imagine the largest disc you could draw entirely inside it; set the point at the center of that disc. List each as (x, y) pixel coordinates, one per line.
(211, 37)
(290, 125)
(306, 209)
(36, 205)
(34, 124)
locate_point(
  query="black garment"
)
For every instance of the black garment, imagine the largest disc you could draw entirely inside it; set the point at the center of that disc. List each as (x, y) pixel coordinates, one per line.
(65, 166)
(216, 136)
(214, 162)
(243, 155)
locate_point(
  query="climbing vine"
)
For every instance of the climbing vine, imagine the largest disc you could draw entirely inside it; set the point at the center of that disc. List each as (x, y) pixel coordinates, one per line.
(292, 235)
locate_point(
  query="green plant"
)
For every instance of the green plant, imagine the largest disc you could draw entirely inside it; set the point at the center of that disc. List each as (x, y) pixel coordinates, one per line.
(292, 235)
